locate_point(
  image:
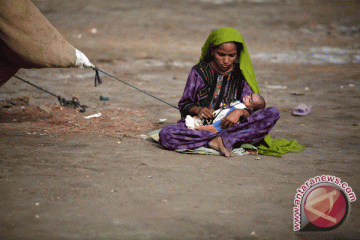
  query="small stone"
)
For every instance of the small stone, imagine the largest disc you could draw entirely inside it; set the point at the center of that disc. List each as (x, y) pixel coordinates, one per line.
(143, 136)
(93, 30)
(46, 109)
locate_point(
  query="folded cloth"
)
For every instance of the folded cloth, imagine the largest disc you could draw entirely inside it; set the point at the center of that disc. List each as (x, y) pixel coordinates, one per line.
(192, 123)
(279, 146)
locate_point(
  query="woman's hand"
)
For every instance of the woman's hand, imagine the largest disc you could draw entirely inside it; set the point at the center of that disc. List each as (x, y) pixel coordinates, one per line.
(205, 113)
(233, 118)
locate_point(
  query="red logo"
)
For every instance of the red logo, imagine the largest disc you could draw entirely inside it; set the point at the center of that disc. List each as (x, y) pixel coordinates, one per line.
(325, 207)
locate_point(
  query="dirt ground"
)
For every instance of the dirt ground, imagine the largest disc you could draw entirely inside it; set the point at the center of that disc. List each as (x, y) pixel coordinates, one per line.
(64, 177)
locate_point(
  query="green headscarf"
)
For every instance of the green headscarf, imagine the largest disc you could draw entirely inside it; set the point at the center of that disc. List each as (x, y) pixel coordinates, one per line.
(224, 35)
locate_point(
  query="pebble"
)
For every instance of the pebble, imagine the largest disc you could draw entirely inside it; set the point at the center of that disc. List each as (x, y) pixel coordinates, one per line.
(93, 30)
(46, 109)
(143, 136)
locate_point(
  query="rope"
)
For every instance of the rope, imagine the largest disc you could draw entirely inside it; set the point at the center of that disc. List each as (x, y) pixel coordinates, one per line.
(35, 86)
(63, 102)
(98, 80)
(75, 103)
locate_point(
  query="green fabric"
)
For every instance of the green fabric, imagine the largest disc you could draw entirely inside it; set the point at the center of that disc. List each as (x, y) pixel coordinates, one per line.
(280, 146)
(222, 35)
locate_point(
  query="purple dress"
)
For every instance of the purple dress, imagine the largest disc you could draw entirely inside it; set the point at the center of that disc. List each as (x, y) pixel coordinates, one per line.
(205, 88)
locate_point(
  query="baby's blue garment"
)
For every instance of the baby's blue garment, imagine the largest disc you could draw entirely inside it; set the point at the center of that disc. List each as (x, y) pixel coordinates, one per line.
(217, 123)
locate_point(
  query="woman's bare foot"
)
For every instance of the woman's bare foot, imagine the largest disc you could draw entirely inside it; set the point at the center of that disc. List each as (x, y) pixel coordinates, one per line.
(218, 145)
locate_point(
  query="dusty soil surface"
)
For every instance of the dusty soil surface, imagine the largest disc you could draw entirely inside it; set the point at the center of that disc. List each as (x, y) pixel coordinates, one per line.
(66, 177)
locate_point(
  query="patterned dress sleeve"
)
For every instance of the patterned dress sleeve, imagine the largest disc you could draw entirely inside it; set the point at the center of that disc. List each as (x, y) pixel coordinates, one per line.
(190, 96)
(246, 90)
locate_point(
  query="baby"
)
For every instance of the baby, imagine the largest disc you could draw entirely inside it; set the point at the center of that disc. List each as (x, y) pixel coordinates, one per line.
(251, 102)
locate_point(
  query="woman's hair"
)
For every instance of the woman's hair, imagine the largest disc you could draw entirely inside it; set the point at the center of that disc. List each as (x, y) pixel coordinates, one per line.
(209, 57)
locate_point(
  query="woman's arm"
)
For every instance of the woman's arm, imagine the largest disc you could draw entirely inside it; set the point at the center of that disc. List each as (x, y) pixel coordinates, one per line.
(189, 101)
(188, 104)
(234, 117)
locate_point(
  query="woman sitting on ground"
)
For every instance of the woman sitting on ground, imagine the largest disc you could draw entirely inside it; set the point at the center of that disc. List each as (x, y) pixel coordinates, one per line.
(223, 75)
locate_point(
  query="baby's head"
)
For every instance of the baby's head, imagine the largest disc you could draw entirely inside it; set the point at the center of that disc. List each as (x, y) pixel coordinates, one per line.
(254, 102)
